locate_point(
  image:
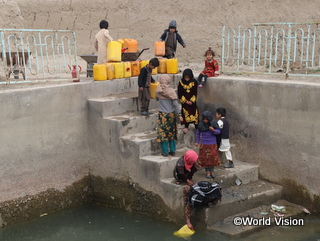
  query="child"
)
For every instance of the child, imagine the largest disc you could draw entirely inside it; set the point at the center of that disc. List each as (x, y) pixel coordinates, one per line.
(169, 109)
(200, 194)
(187, 93)
(211, 68)
(144, 80)
(170, 37)
(206, 136)
(185, 167)
(225, 143)
(101, 41)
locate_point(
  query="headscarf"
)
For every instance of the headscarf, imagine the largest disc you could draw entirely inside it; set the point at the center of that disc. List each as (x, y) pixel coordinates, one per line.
(205, 126)
(190, 158)
(164, 90)
(187, 72)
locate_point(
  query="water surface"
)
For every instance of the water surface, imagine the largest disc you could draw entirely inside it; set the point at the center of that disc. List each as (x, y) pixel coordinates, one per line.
(96, 223)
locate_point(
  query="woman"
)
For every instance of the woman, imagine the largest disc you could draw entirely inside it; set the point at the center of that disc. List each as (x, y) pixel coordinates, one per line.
(186, 166)
(169, 108)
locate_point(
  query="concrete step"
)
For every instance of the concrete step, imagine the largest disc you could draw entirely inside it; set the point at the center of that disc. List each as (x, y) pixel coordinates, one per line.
(117, 104)
(147, 145)
(160, 167)
(131, 123)
(227, 177)
(237, 199)
(264, 220)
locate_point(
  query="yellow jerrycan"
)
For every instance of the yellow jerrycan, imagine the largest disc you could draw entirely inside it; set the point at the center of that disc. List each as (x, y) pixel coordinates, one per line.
(118, 70)
(114, 51)
(172, 66)
(154, 71)
(159, 48)
(152, 88)
(135, 68)
(126, 69)
(110, 71)
(162, 68)
(99, 72)
(143, 63)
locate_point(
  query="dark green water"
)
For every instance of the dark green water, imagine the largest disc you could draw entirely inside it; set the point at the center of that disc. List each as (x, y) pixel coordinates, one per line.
(97, 223)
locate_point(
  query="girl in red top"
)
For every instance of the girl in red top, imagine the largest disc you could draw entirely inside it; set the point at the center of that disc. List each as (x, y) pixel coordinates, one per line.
(211, 68)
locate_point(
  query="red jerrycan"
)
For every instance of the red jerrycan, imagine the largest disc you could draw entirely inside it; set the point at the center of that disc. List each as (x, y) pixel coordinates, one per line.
(75, 73)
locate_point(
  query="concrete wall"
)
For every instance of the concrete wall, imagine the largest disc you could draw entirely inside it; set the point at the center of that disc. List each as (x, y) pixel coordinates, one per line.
(48, 140)
(273, 124)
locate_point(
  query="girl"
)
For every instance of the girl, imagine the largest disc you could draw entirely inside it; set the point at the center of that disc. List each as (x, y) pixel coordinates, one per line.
(206, 136)
(169, 108)
(185, 167)
(187, 93)
(211, 68)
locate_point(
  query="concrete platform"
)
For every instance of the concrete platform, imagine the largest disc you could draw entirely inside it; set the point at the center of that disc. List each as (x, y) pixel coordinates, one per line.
(236, 199)
(261, 215)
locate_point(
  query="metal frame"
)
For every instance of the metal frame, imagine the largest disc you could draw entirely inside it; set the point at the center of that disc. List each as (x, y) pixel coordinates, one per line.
(38, 54)
(273, 48)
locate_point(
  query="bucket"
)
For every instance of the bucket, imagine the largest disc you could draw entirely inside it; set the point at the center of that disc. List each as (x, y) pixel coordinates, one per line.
(143, 63)
(159, 48)
(110, 71)
(172, 66)
(152, 89)
(131, 45)
(126, 69)
(118, 70)
(162, 68)
(114, 51)
(99, 72)
(135, 68)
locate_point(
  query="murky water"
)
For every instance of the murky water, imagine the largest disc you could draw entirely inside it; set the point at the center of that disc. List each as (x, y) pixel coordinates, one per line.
(95, 223)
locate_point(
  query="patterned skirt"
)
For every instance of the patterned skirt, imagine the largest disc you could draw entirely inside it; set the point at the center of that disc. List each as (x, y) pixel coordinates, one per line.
(166, 127)
(209, 155)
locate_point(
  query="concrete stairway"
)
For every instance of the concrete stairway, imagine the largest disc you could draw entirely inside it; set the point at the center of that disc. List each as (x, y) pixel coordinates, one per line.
(138, 133)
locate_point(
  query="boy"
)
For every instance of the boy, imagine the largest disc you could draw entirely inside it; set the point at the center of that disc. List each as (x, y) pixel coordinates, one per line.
(225, 143)
(101, 41)
(170, 37)
(144, 80)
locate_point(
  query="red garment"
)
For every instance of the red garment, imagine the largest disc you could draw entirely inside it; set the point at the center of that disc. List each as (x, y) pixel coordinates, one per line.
(210, 68)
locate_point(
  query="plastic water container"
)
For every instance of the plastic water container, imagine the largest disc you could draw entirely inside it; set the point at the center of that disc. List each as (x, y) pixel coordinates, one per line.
(159, 48)
(126, 69)
(135, 68)
(118, 70)
(143, 63)
(172, 66)
(110, 71)
(99, 72)
(152, 88)
(114, 51)
(121, 40)
(162, 68)
(154, 71)
(131, 45)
